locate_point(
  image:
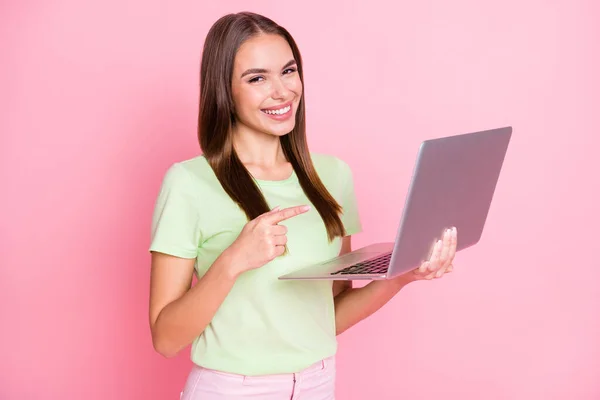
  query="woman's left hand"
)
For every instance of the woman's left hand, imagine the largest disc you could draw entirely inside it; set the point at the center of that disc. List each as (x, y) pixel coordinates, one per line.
(441, 258)
(440, 262)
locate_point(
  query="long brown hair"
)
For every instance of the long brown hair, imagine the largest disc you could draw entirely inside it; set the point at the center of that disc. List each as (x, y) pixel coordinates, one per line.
(216, 119)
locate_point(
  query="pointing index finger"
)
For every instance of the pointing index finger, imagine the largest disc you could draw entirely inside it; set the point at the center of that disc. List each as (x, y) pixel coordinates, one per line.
(286, 213)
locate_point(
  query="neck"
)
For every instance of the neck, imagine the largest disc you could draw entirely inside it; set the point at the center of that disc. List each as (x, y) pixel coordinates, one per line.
(256, 148)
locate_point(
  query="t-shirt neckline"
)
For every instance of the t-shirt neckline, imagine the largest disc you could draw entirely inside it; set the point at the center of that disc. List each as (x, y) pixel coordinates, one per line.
(290, 179)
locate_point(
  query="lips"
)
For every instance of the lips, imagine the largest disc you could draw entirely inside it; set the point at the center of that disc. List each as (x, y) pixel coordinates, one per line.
(278, 107)
(279, 113)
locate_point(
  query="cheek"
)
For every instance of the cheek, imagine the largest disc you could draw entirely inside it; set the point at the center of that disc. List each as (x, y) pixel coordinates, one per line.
(248, 101)
(295, 86)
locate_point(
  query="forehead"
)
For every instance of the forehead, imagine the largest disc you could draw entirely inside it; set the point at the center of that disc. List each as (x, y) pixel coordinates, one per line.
(264, 51)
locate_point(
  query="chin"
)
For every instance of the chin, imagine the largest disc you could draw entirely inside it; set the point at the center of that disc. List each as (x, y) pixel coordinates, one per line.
(281, 131)
(279, 128)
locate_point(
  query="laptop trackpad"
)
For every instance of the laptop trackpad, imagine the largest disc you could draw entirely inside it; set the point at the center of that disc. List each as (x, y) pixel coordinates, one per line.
(351, 258)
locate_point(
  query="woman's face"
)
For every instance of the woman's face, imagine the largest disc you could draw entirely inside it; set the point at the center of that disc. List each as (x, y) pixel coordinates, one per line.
(266, 86)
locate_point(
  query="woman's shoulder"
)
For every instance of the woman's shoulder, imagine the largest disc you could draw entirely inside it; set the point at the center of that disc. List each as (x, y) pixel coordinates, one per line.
(329, 164)
(197, 165)
(186, 171)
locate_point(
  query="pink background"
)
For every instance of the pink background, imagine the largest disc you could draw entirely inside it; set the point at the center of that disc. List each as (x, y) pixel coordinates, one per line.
(98, 98)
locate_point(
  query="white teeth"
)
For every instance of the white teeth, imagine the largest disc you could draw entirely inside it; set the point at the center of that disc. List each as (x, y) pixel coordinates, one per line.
(278, 112)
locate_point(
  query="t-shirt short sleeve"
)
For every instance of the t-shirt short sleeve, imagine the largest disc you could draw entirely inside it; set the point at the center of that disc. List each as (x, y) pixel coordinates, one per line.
(175, 223)
(350, 216)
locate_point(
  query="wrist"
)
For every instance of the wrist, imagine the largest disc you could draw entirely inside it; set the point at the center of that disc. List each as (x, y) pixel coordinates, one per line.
(402, 280)
(228, 265)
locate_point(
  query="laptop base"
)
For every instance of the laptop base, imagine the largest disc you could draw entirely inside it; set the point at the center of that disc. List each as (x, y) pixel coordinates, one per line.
(363, 258)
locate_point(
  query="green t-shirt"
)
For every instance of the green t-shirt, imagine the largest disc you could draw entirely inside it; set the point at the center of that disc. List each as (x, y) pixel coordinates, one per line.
(265, 325)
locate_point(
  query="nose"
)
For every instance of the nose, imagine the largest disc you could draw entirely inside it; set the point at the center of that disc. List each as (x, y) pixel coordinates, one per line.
(279, 90)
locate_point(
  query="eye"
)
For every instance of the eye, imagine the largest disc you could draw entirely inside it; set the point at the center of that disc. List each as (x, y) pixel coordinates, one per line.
(255, 79)
(289, 71)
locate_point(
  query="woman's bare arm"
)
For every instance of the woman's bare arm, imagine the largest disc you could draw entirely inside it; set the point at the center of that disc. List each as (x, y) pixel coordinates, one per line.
(179, 314)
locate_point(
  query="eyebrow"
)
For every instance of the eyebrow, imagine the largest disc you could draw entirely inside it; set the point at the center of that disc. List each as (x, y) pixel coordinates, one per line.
(265, 71)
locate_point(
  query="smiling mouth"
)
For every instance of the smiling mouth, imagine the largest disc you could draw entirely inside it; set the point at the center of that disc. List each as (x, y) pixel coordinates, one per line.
(279, 111)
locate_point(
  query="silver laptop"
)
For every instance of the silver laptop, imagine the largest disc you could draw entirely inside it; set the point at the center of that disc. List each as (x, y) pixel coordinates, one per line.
(453, 182)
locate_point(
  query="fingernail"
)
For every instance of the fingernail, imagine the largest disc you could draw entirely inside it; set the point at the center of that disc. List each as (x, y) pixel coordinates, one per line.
(305, 208)
(276, 208)
(439, 273)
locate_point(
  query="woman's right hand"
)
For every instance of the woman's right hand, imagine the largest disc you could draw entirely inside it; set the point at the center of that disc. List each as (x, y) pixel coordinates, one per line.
(261, 240)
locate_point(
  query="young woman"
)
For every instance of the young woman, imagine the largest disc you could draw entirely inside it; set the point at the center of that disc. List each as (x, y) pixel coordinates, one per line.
(254, 206)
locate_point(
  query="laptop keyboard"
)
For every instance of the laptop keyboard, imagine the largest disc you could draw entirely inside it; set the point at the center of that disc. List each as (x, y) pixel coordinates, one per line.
(377, 265)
